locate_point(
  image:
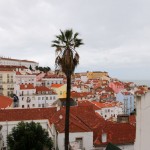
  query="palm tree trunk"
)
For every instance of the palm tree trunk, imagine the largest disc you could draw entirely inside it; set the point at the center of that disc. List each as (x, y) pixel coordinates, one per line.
(67, 112)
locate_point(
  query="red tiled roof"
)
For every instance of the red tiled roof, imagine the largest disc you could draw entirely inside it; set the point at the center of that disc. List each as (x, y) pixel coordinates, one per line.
(12, 67)
(105, 104)
(75, 125)
(42, 88)
(18, 73)
(87, 103)
(5, 102)
(27, 114)
(126, 93)
(132, 119)
(56, 85)
(117, 133)
(26, 86)
(75, 94)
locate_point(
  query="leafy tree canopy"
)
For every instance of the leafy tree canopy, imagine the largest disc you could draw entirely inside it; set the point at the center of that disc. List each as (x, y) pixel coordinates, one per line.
(29, 136)
(44, 69)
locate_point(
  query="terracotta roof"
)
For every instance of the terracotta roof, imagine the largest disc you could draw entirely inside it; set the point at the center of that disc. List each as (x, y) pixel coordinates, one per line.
(5, 102)
(26, 114)
(11, 67)
(117, 133)
(26, 86)
(105, 104)
(42, 88)
(132, 119)
(75, 94)
(126, 93)
(75, 125)
(56, 85)
(18, 73)
(88, 103)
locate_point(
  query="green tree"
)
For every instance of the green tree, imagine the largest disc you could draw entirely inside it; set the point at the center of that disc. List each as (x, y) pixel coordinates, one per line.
(30, 68)
(29, 136)
(66, 60)
(37, 68)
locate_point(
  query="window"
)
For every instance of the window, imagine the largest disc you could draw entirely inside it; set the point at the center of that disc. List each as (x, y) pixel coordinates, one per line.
(53, 97)
(22, 106)
(39, 105)
(60, 92)
(42, 105)
(33, 105)
(42, 98)
(46, 98)
(80, 141)
(39, 98)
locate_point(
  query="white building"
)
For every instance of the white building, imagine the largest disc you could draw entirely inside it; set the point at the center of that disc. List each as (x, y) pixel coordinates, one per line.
(25, 79)
(52, 79)
(109, 109)
(34, 97)
(17, 62)
(142, 121)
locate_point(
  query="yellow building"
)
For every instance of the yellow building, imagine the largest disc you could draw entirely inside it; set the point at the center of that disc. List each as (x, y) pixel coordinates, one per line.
(7, 80)
(60, 89)
(96, 74)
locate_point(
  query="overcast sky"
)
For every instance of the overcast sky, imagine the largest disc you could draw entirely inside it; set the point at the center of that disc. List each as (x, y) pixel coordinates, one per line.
(116, 33)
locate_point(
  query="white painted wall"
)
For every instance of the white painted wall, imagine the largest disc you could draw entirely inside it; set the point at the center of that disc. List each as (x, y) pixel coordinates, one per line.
(26, 79)
(87, 139)
(142, 141)
(108, 112)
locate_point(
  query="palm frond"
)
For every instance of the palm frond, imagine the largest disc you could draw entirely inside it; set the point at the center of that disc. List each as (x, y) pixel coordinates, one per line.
(63, 36)
(68, 34)
(56, 42)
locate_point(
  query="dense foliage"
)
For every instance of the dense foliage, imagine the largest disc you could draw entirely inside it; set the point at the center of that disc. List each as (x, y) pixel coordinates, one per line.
(29, 136)
(44, 69)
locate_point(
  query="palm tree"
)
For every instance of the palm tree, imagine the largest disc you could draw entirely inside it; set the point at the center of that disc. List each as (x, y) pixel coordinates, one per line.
(67, 60)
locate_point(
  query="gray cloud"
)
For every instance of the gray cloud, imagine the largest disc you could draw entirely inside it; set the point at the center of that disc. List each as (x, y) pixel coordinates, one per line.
(116, 33)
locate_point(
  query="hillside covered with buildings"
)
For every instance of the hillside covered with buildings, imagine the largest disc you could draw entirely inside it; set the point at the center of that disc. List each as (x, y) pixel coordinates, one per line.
(103, 108)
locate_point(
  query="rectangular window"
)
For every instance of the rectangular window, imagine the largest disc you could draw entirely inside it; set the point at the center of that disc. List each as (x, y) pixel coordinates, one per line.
(39, 105)
(80, 141)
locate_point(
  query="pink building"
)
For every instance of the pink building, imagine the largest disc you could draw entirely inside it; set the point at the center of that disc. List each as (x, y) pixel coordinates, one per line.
(116, 86)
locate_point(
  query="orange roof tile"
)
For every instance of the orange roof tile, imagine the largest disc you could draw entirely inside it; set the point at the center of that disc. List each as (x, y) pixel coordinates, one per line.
(5, 102)
(26, 86)
(56, 85)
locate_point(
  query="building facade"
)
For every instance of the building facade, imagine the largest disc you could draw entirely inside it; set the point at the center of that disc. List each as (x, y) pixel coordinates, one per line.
(17, 62)
(7, 82)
